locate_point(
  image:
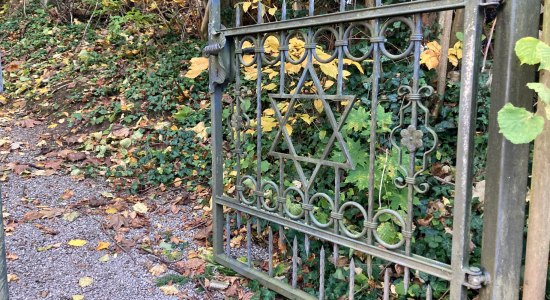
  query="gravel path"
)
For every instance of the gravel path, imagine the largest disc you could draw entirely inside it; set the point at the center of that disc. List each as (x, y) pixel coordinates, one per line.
(41, 263)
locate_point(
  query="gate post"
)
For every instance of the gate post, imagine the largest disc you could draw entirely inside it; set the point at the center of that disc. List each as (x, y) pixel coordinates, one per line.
(216, 119)
(507, 164)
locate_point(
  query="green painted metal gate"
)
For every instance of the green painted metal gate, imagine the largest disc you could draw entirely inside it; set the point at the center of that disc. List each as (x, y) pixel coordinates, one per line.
(282, 193)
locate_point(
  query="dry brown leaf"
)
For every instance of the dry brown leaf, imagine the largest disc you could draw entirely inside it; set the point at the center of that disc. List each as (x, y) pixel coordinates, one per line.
(28, 123)
(158, 269)
(67, 194)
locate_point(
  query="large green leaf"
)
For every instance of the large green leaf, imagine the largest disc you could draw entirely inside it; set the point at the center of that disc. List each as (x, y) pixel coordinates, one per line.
(543, 51)
(542, 90)
(526, 50)
(518, 125)
(358, 119)
(359, 177)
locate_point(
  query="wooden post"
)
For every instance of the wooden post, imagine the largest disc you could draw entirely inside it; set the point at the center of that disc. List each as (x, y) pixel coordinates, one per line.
(538, 234)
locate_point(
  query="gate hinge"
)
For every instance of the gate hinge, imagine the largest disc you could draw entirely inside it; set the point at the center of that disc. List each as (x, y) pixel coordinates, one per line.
(476, 278)
(221, 69)
(487, 3)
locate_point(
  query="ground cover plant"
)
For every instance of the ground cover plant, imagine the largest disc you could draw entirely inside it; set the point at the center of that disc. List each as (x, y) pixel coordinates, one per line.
(121, 87)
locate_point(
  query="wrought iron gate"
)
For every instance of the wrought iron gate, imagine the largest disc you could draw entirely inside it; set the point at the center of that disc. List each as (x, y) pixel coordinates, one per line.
(283, 200)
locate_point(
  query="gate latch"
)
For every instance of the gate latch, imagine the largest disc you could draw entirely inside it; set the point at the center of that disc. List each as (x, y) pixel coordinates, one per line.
(476, 278)
(220, 48)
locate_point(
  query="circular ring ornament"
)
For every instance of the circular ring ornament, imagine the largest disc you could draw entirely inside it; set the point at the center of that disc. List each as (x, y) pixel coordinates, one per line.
(241, 194)
(252, 41)
(346, 39)
(312, 213)
(375, 232)
(265, 58)
(343, 227)
(287, 43)
(265, 184)
(383, 30)
(316, 36)
(287, 210)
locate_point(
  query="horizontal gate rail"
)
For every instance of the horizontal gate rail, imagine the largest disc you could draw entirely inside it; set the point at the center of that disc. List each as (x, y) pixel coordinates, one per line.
(416, 262)
(348, 16)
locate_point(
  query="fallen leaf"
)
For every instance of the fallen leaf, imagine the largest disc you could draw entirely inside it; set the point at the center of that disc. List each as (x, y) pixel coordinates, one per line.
(12, 256)
(169, 290)
(140, 208)
(76, 156)
(12, 277)
(71, 216)
(104, 258)
(78, 297)
(85, 281)
(67, 194)
(102, 245)
(28, 123)
(111, 210)
(77, 243)
(158, 269)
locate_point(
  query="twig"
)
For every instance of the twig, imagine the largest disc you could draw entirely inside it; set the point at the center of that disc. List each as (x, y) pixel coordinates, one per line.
(205, 289)
(112, 239)
(488, 45)
(88, 24)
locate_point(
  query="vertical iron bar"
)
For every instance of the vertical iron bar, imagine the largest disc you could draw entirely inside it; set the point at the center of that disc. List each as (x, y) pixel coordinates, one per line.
(258, 55)
(386, 284)
(336, 208)
(294, 262)
(216, 119)
(507, 166)
(351, 279)
(270, 250)
(429, 292)
(282, 52)
(4, 291)
(466, 131)
(372, 146)
(322, 274)
(228, 235)
(248, 243)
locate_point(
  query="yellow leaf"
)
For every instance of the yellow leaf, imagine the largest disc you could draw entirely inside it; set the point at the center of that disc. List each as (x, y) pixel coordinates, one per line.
(102, 245)
(111, 210)
(78, 297)
(268, 123)
(85, 281)
(77, 243)
(329, 83)
(198, 65)
(140, 208)
(270, 86)
(269, 112)
(356, 64)
(318, 105)
(288, 129)
(169, 290)
(200, 130)
(272, 11)
(53, 125)
(104, 258)
(430, 59)
(246, 6)
(12, 277)
(157, 270)
(329, 69)
(307, 118)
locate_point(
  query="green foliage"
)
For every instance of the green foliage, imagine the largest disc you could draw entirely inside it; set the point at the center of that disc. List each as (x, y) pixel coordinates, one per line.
(517, 124)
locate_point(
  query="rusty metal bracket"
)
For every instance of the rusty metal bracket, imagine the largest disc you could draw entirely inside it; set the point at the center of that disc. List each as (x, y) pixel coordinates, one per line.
(221, 70)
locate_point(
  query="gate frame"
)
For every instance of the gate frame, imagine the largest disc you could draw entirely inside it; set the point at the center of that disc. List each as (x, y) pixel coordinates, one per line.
(506, 173)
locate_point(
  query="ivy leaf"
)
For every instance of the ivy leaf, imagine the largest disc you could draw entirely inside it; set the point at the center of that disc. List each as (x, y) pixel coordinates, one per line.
(526, 50)
(359, 177)
(518, 125)
(358, 119)
(388, 233)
